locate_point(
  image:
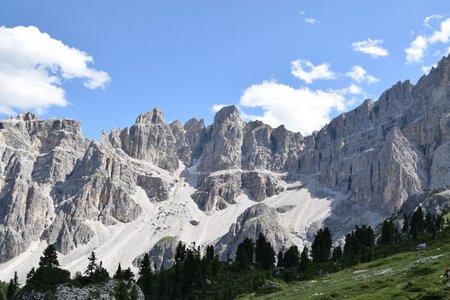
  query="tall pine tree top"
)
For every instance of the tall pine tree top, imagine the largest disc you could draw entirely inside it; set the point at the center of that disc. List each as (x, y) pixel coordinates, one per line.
(49, 258)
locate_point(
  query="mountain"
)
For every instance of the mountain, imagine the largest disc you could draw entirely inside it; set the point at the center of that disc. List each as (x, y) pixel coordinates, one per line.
(144, 188)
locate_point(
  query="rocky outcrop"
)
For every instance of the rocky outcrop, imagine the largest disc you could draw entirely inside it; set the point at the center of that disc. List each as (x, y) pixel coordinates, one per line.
(162, 253)
(105, 291)
(253, 221)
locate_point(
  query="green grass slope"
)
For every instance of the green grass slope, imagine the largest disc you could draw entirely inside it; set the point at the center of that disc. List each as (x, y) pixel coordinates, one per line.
(408, 275)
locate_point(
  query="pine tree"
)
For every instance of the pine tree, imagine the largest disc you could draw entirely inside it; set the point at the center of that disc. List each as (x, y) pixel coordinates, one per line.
(291, 257)
(417, 223)
(337, 254)
(430, 224)
(304, 259)
(50, 258)
(134, 293)
(30, 275)
(280, 262)
(321, 247)
(146, 274)
(180, 252)
(121, 292)
(209, 253)
(92, 266)
(10, 292)
(268, 256)
(259, 248)
(249, 247)
(242, 259)
(119, 273)
(387, 233)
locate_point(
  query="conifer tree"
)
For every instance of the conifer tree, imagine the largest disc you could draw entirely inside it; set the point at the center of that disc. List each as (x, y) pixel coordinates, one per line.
(146, 275)
(180, 252)
(387, 233)
(259, 248)
(321, 247)
(291, 257)
(280, 262)
(304, 259)
(30, 275)
(242, 259)
(417, 223)
(337, 254)
(50, 258)
(119, 273)
(92, 266)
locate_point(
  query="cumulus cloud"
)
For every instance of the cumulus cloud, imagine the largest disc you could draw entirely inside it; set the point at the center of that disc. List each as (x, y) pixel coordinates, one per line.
(311, 21)
(299, 109)
(371, 47)
(33, 67)
(416, 50)
(308, 72)
(358, 74)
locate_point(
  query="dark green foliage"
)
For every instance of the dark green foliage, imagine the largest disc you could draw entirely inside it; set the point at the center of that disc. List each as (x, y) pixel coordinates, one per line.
(145, 276)
(305, 261)
(264, 253)
(49, 259)
(359, 245)
(119, 273)
(12, 288)
(242, 259)
(280, 257)
(321, 247)
(121, 292)
(244, 254)
(430, 224)
(337, 254)
(417, 224)
(180, 252)
(388, 233)
(134, 293)
(92, 266)
(291, 257)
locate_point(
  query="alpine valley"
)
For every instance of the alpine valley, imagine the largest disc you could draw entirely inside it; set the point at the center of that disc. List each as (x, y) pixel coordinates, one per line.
(144, 188)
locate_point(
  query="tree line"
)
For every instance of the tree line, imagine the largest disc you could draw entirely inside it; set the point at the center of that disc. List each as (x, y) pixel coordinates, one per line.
(197, 275)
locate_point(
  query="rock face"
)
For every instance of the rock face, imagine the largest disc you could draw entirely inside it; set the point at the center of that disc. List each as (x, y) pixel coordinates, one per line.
(255, 220)
(104, 291)
(58, 187)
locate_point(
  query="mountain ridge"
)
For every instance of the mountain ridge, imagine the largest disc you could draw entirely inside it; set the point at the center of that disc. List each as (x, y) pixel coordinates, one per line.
(195, 182)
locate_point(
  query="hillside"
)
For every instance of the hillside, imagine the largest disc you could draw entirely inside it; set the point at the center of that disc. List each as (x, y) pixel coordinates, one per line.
(407, 275)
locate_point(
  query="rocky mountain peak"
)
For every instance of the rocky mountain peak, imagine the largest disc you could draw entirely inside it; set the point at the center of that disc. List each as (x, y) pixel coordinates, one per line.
(227, 112)
(155, 116)
(29, 116)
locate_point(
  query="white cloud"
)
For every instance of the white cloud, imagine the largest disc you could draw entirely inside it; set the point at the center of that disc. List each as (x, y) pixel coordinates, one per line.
(371, 47)
(306, 71)
(429, 19)
(416, 51)
(33, 66)
(311, 21)
(358, 74)
(301, 109)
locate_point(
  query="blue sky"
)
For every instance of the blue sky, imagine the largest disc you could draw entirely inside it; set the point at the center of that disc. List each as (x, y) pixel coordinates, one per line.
(293, 62)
